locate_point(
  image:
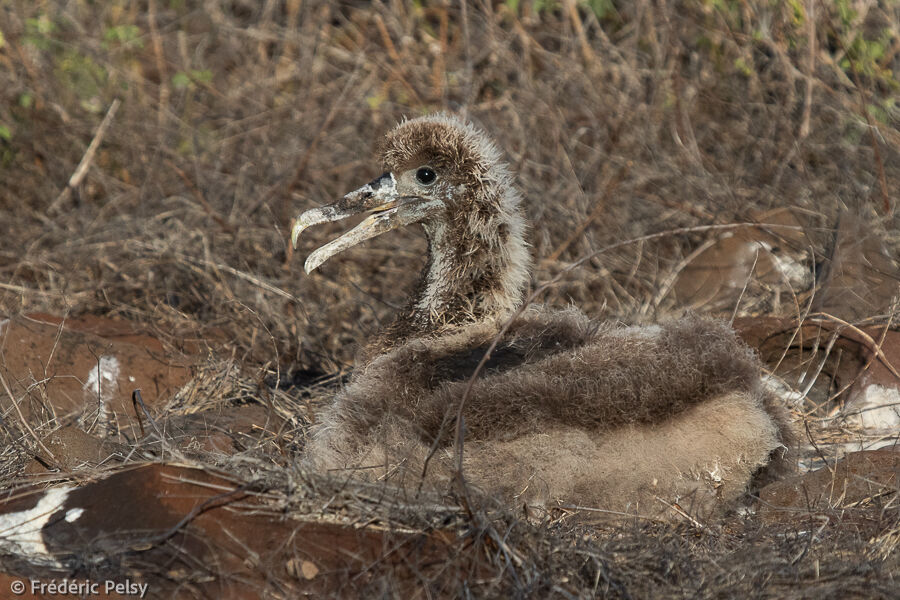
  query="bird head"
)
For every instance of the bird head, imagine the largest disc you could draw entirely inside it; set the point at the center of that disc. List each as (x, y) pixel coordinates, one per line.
(440, 171)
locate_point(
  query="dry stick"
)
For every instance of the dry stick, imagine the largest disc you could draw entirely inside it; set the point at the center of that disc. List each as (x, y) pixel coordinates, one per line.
(386, 40)
(134, 404)
(806, 363)
(27, 290)
(674, 506)
(601, 204)
(875, 346)
(15, 402)
(208, 504)
(672, 277)
(812, 442)
(811, 40)
(737, 304)
(586, 53)
(439, 72)
(464, 14)
(227, 227)
(832, 384)
(603, 511)
(86, 160)
(100, 400)
(460, 426)
(812, 380)
(137, 399)
(160, 66)
(59, 332)
(879, 163)
(800, 318)
(260, 283)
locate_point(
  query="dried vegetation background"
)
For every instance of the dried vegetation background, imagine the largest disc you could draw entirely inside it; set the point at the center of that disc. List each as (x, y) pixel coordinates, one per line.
(223, 120)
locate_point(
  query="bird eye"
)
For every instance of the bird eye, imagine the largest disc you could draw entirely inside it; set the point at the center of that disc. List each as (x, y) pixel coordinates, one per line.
(425, 175)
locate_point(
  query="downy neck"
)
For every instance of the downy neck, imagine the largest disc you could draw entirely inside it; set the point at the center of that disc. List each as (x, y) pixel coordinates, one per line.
(473, 274)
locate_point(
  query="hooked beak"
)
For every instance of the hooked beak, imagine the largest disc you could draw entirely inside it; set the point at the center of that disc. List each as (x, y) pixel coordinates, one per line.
(389, 211)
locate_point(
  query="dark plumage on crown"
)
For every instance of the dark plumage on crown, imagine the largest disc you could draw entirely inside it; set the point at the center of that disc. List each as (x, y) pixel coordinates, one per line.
(443, 142)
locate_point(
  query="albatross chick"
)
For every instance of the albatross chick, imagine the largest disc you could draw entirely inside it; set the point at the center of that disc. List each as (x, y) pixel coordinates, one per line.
(630, 420)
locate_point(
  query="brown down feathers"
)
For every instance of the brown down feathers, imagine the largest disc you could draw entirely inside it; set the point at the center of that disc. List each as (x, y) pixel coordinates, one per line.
(571, 410)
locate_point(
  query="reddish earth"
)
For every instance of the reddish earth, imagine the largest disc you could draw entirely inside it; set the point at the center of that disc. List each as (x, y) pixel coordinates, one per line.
(716, 277)
(184, 531)
(71, 449)
(63, 366)
(202, 534)
(851, 375)
(871, 354)
(772, 260)
(224, 431)
(871, 477)
(219, 431)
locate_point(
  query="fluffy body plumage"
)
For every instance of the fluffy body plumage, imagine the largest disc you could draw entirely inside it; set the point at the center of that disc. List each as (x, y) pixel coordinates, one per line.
(567, 409)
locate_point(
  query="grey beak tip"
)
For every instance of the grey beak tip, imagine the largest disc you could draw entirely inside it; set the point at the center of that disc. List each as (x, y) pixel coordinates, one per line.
(313, 261)
(297, 228)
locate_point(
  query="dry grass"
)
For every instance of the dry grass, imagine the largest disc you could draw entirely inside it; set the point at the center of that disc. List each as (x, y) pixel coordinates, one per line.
(620, 122)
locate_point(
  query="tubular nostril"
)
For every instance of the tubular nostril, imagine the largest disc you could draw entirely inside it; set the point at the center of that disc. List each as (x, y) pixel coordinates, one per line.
(383, 179)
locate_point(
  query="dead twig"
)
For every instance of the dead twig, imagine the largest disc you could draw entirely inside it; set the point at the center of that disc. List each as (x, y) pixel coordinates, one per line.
(598, 209)
(586, 53)
(225, 225)
(872, 344)
(737, 305)
(24, 421)
(82, 169)
(864, 111)
(137, 413)
(811, 68)
(159, 57)
(674, 506)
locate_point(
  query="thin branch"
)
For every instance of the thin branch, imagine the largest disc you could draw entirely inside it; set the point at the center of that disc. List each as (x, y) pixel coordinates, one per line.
(25, 424)
(82, 169)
